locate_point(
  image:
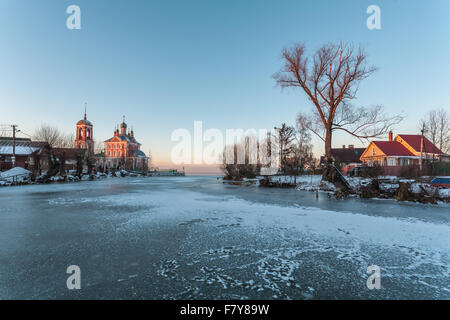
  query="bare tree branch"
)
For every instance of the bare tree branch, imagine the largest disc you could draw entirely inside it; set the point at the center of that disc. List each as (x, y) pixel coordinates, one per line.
(331, 82)
(437, 128)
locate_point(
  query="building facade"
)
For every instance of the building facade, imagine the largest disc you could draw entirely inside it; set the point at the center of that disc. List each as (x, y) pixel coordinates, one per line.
(84, 136)
(122, 151)
(347, 157)
(404, 150)
(24, 150)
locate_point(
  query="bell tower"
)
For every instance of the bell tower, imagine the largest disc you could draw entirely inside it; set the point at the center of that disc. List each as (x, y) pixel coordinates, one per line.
(84, 137)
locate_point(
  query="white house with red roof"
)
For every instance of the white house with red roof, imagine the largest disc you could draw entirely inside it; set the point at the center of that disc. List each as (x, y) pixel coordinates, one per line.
(404, 150)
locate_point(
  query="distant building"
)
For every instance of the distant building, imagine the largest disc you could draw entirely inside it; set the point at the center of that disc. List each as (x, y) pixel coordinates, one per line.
(25, 152)
(122, 151)
(71, 157)
(348, 157)
(84, 136)
(405, 149)
(34, 155)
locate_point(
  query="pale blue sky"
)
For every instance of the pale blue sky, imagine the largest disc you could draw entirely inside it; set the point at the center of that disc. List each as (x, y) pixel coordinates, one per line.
(166, 63)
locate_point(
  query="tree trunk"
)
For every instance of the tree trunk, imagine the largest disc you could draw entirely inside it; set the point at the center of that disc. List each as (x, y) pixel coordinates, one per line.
(328, 161)
(328, 144)
(62, 165)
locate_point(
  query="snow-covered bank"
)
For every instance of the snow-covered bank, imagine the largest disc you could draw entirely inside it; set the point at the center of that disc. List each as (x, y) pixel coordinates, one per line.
(19, 176)
(388, 186)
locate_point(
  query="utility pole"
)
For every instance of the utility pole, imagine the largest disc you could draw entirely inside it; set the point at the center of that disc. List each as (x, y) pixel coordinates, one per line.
(421, 146)
(14, 145)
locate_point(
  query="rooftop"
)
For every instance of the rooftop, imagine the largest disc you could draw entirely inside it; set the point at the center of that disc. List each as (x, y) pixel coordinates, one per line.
(392, 148)
(414, 141)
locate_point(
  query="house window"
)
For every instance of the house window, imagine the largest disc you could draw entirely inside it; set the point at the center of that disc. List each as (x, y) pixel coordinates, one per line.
(114, 153)
(80, 133)
(119, 153)
(374, 152)
(109, 153)
(391, 162)
(405, 162)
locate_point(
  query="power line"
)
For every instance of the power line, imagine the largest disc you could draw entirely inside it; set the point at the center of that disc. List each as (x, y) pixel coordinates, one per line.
(20, 131)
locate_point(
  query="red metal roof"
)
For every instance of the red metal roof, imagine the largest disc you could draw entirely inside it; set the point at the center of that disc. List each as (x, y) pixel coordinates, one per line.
(414, 141)
(347, 155)
(392, 148)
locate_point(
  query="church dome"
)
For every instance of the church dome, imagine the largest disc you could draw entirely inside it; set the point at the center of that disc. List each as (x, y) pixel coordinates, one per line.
(85, 122)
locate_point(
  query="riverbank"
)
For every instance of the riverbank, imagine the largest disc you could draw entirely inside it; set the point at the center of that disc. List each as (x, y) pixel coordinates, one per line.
(383, 187)
(24, 178)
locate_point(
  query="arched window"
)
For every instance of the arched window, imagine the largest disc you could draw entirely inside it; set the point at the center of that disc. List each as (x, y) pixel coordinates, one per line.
(114, 153)
(88, 134)
(80, 133)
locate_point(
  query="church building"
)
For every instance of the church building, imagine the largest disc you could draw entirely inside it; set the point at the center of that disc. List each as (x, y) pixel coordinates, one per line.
(122, 151)
(84, 138)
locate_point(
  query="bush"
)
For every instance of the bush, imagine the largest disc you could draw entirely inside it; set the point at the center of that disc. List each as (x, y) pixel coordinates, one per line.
(366, 171)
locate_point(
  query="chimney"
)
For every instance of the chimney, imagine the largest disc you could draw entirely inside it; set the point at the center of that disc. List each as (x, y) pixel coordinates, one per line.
(350, 146)
(391, 136)
(343, 146)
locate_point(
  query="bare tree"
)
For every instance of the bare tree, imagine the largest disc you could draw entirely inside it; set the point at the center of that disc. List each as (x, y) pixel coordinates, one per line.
(437, 128)
(331, 82)
(150, 159)
(54, 137)
(66, 141)
(301, 156)
(244, 159)
(48, 134)
(99, 147)
(286, 136)
(304, 148)
(5, 130)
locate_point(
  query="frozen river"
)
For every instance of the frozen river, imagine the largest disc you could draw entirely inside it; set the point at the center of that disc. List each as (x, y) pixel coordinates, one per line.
(196, 238)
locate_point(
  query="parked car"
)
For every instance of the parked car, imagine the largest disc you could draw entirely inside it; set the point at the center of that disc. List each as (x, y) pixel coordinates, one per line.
(441, 182)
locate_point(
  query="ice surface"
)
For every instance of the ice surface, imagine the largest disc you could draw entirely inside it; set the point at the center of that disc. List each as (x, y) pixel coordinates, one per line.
(195, 237)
